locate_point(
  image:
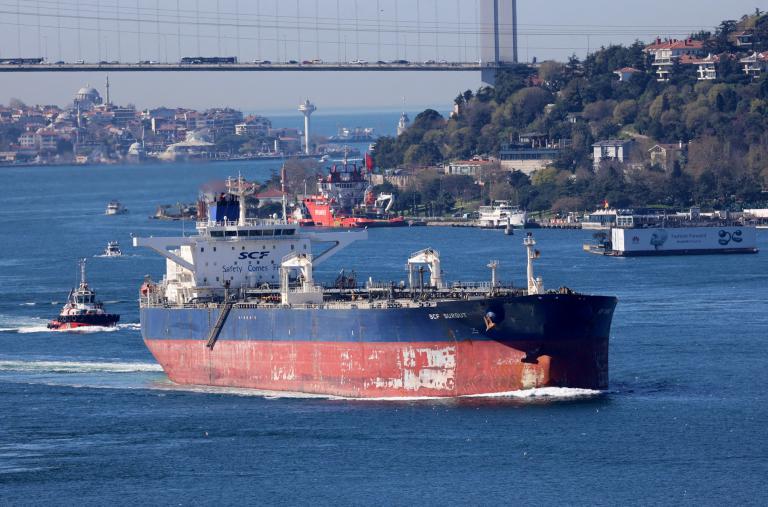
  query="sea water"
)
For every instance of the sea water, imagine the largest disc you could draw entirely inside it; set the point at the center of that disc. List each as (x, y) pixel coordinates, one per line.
(90, 419)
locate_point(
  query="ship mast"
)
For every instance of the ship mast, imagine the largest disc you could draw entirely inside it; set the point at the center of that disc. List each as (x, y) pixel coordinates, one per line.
(82, 272)
(535, 285)
(241, 190)
(282, 191)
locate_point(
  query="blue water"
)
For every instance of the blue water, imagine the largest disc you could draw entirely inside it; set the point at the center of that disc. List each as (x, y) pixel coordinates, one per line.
(89, 419)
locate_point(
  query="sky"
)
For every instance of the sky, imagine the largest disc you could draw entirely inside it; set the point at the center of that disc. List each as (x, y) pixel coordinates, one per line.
(332, 30)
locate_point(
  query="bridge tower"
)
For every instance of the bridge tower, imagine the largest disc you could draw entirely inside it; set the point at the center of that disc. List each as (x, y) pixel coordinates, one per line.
(498, 25)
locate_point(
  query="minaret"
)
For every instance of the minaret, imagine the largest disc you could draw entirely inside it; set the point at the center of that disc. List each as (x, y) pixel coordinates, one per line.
(307, 108)
(108, 102)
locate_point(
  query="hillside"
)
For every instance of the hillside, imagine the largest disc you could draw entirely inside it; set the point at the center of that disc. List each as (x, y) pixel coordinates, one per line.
(714, 120)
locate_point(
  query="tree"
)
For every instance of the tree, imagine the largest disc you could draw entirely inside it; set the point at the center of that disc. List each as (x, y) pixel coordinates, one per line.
(721, 43)
(427, 154)
(553, 74)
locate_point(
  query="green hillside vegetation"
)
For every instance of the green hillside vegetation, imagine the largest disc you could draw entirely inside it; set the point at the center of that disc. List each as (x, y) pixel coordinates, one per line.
(724, 124)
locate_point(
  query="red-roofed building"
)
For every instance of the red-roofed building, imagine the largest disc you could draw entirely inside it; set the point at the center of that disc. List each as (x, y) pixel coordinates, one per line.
(47, 140)
(707, 67)
(666, 52)
(626, 73)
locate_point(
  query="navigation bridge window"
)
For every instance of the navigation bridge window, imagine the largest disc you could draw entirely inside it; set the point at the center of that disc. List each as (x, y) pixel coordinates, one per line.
(254, 233)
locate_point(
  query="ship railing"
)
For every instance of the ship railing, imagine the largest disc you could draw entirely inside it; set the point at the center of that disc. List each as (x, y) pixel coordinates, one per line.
(380, 285)
(315, 289)
(205, 224)
(471, 285)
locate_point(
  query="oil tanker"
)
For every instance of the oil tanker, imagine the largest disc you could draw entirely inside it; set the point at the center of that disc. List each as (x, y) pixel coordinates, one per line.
(239, 306)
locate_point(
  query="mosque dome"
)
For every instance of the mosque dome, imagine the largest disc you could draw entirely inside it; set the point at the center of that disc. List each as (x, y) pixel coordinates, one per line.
(88, 96)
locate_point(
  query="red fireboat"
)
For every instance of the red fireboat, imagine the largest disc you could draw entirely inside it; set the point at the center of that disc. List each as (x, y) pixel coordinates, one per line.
(346, 200)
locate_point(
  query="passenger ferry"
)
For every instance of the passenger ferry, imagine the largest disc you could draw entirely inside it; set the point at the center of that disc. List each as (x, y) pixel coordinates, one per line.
(501, 214)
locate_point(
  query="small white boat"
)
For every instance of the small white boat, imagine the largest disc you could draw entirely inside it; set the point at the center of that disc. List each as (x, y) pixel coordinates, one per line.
(115, 208)
(113, 249)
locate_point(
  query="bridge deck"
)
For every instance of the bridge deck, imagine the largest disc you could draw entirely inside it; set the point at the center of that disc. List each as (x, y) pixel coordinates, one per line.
(245, 67)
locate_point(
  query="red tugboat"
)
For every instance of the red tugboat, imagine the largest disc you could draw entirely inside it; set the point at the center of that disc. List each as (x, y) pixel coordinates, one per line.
(82, 309)
(346, 200)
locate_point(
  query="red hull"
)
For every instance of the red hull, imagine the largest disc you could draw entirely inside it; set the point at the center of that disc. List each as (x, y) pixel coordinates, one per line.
(323, 216)
(66, 326)
(374, 369)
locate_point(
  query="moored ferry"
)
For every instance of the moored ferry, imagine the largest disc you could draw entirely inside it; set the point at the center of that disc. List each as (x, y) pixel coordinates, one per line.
(239, 306)
(646, 234)
(501, 214)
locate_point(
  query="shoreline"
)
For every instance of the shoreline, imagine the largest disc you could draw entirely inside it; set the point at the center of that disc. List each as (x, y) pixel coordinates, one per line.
(169, 162)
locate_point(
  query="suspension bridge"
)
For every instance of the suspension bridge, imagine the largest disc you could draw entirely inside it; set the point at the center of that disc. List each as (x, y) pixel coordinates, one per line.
(262, 36)
(279, 35)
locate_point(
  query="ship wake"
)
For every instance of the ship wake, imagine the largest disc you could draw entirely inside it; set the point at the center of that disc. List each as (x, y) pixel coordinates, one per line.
(77, 367)
(36, 325)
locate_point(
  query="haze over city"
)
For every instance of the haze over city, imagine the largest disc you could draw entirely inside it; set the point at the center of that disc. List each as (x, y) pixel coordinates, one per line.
(342, 30)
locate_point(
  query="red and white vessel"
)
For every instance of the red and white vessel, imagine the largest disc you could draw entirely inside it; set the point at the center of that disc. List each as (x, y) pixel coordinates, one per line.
(82, 309)
(346, 200)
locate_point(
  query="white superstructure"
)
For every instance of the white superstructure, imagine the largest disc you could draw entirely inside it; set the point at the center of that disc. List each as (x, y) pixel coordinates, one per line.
(113, 249)
(501, 214)
(598, 220)
(661, 240)
(237, 255)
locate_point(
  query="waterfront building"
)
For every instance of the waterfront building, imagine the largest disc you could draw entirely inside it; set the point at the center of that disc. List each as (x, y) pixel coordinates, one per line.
(195, 146)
